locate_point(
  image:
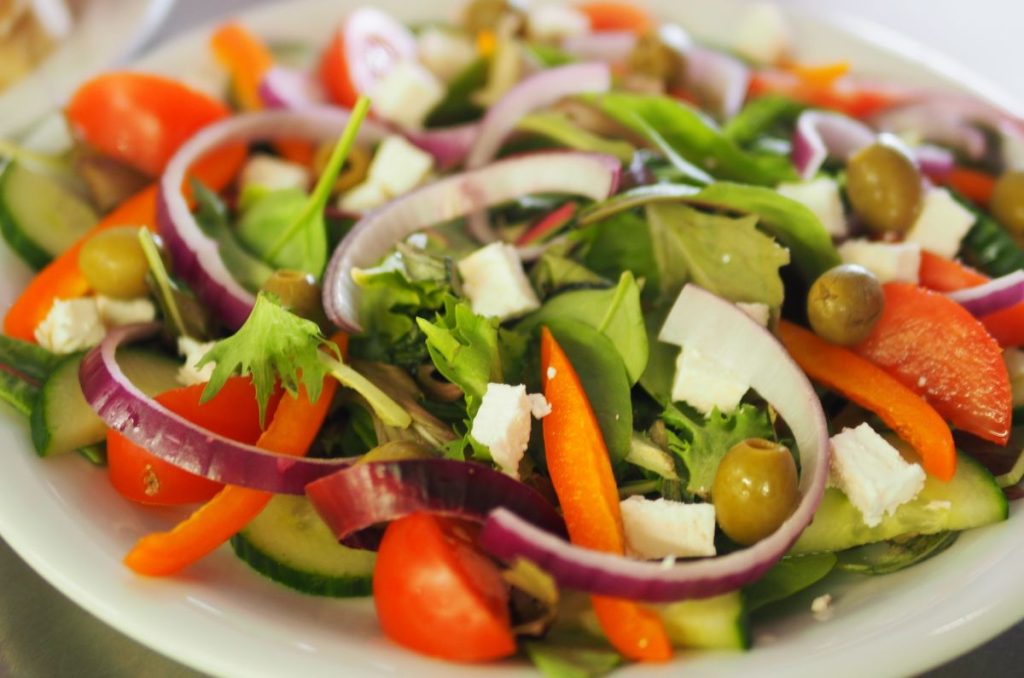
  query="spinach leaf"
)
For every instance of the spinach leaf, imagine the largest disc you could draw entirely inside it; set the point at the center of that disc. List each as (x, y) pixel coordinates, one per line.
(620, 243)
(554, 272)
(458, 105)
(787, 577)
(760, 116)
(895, 555)
(558, 128)
(212, 217)
(661, 362)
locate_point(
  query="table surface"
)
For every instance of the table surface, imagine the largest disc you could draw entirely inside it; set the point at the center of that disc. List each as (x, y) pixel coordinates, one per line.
(42, 633)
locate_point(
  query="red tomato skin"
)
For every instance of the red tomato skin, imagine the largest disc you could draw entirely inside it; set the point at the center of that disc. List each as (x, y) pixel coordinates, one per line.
(437, 594)
(940, 351)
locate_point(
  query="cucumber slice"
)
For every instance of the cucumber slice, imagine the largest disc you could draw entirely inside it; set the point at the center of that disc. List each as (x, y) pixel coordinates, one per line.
(63, 421)
(39, 216)
(289, 543)
(26, 358)
(971, 499)
(718, 623)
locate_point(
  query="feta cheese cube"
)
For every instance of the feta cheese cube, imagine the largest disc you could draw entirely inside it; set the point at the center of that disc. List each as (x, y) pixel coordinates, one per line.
(407, 94)
(942, 224)
(662, 528)
(762, 34)
(193, 351)
(706, 384)
(889, 261)
(503, 423)
(1014, 359)
(445, 53)
(757, 311)
(398, 166)
(272, 174)
(70, 326)
(552, 23)
(363, 198)
(117, 312)
(821, 196)
(872, 473)
(494, 280)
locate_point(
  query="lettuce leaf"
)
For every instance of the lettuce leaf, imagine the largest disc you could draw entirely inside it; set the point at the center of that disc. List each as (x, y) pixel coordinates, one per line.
(623, 242)
(559, 128)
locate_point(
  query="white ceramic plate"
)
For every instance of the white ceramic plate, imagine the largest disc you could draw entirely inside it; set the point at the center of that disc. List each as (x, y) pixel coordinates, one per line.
(63, 518)
(104, 32)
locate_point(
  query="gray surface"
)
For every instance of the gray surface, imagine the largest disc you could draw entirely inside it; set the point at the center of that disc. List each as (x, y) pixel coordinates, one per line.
(43, 634)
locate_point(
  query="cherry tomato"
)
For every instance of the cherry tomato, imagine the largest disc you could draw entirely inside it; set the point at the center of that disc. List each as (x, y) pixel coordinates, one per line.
(142, 477)
(362, 51)
(437, 594)
(139, 118)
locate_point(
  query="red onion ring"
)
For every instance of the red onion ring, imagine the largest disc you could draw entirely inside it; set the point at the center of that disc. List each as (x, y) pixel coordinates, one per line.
(718, 329)
(196, 257)
(995, 295)
(820, 134)
(448, 145)
(935, 124)
(588, 174)
(289, 88)
(719, 79)
(144, 421)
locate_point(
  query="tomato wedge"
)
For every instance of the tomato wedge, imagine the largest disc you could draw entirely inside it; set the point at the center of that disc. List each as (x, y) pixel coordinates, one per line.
(139, 118)
(438, 594)
(362, 51)
(940, 351)
(142, 477)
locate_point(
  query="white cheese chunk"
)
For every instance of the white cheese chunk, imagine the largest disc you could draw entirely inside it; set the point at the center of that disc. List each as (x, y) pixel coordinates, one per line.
(445, 53)
(759, 312)
(272, 174)
(494, 280)
(762, 34)
(193, 350)
(70, 326)
(1014, 359)
(503, 423)
(398, 166)
(662, 528)
(363, 198)
(117, 312)
(942, 224)
(407, 94)
(706, 384)
(821, 196)
(552, 22)
(872, 473)
(889, 261)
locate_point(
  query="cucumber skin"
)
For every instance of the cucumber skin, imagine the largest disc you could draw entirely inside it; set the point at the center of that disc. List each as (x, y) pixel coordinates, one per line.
(18, 394)
(31, 253)
(29, 359)
(42, 436)
(988, 246)
(299, 580)
(717, 623)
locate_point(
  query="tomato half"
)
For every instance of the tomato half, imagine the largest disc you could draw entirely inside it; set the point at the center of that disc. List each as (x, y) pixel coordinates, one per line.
(139, 118)
(140, 476)
(940, 351)
(362, 51)
(437, 594)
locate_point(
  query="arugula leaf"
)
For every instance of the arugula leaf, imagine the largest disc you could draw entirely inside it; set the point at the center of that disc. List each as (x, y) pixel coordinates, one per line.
(212, 217)
(727, 256)
(703, 442)
(272, 344)
(787, 577)
(687, 132)
(559, 128)
(615, 313)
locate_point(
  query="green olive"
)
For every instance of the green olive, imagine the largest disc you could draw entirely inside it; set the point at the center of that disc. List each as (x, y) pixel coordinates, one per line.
(844, 304)
(1007, 203)
(487, 15)
(298, 292)
(755, 490)
(653, 58)
(884, 187)
(113, 263)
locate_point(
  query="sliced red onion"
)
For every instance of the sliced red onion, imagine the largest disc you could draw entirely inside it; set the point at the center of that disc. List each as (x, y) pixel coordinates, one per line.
(144, 421)
(608, 46)
(289, 88)
(720, 80)
(995, 295)
(448, 145)
(936, 162)
(935, 124)
(720, 330)
(820, 135)
(196, 257)
(537, 91)
(364, 495)
(592, 175)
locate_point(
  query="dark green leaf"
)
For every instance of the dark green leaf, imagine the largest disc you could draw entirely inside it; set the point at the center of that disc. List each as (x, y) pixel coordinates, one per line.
(553, 272)
(761, 116)
(211, 215)
(661, 361)
(620, 243)
(790, 575)
(559, 128)
(458, 105)
(892, 556)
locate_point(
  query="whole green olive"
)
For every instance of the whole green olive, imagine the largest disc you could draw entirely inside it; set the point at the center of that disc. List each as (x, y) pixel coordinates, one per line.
(884, 187)
(844, 304)
(298, 292)
(1007, 204)
(114, 264)
(755, 490)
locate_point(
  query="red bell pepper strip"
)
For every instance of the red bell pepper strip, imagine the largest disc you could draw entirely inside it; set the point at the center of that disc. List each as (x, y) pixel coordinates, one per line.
(975, 185)
(617, 16)
(843, 94)
(581, 473)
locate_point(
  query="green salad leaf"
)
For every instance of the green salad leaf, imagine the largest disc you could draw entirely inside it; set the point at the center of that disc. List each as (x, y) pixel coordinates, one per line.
(623, 242)
(726, 256)
(212, 216)
(760, 117)
(702, 442)
(554, 272)
(787, 577)
(458, 105)
(571, 659)
(560, 129)
(896, 554)
(661, 361)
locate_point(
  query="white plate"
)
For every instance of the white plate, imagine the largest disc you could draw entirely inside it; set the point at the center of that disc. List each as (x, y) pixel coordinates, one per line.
(105, 32)
(61, 516)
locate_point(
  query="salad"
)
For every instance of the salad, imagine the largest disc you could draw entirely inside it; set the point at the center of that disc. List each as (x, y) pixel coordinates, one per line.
(554, 331)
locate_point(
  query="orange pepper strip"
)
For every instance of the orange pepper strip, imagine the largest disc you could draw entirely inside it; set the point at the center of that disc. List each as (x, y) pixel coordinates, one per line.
(581, 473)
(974, 185)
(1006, 326)
(617, 16)
(867, 385)
(246, 59)
(63, 279)
(293, 429)
(859, 100)
(820, 75)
